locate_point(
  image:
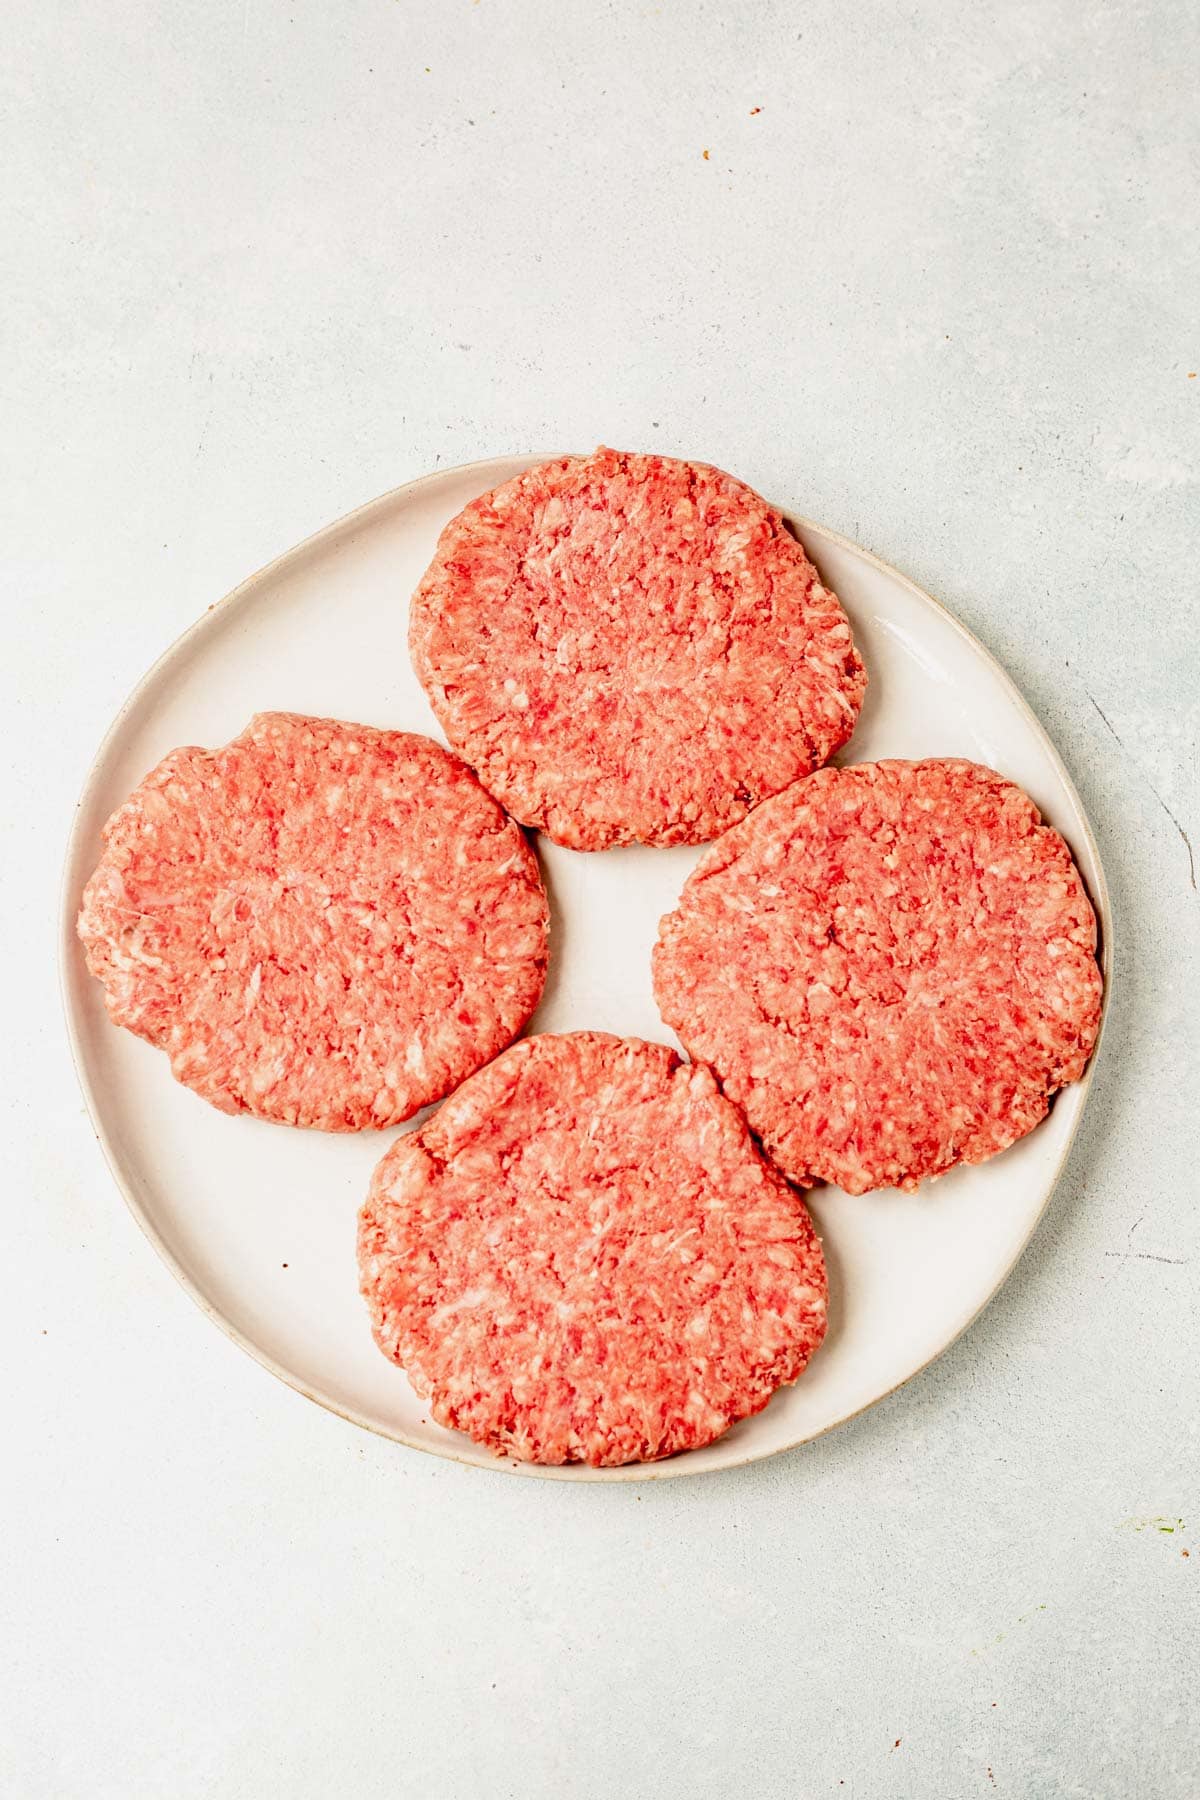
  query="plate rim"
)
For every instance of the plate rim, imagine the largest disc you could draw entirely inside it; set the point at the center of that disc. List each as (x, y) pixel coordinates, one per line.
(326, 537)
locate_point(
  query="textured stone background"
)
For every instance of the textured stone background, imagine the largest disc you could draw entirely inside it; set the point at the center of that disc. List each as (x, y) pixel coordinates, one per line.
(941, 292)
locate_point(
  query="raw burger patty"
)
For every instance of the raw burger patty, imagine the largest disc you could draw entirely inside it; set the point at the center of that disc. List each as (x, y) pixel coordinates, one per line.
(891, 967)
(583, 1257)
(632, 649)
(320, 923)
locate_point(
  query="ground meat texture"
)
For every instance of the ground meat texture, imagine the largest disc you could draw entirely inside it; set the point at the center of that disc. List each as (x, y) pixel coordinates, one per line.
(584, 1258)
(321, 924)
(891, 968)
(631, 649)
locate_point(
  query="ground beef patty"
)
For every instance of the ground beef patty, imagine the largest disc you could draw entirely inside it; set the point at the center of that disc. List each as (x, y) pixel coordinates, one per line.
(583, 1257)
(631, 649)
(320, 923)
(891, 967)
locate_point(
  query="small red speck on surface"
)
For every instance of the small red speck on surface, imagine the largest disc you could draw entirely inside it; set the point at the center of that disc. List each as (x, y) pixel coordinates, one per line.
(896, 1745)
(704, 154)
(1182, 1552)
(755, 109)
(283, 1265)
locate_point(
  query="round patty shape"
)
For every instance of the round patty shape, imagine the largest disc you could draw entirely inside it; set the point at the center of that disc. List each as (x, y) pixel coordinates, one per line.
(583, 1257)
(321, 924)
(891, 967)
(631, 649)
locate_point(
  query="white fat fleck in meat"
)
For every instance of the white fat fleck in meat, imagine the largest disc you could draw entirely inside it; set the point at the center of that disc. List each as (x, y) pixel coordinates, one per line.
(253, 987)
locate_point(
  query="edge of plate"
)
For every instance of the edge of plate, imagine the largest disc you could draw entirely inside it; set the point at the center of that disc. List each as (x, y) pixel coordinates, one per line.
(671, 1467)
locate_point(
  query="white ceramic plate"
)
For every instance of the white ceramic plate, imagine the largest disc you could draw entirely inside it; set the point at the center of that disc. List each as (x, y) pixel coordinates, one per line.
(258, 1221)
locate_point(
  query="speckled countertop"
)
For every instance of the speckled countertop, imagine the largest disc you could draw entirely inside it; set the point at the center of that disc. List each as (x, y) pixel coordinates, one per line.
(928, 273)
